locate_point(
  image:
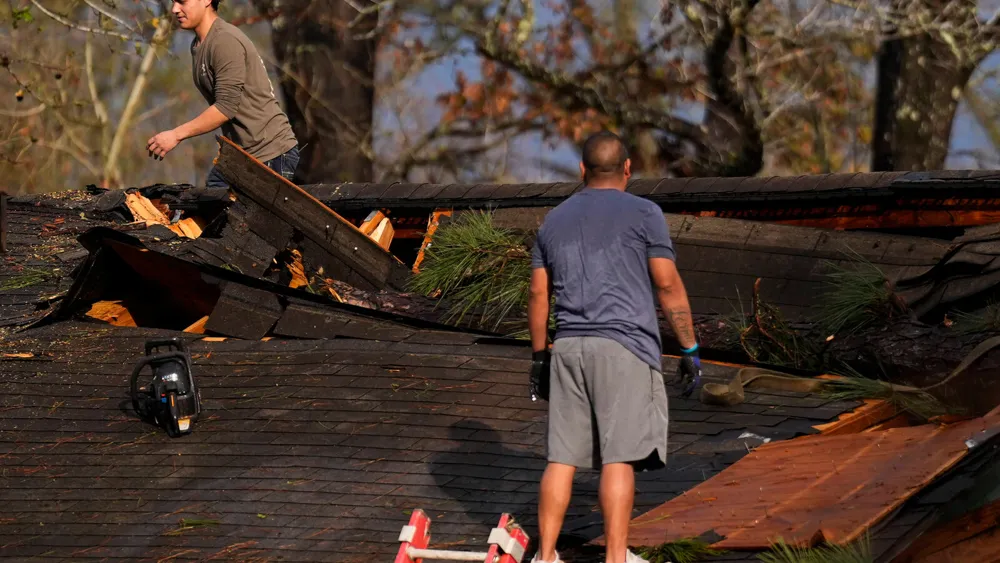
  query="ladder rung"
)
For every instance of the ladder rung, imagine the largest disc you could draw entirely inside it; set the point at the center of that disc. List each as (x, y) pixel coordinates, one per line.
(444, 555)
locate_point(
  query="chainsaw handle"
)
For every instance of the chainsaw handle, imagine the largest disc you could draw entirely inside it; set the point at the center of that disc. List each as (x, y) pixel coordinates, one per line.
(134, 381)
(175, 342)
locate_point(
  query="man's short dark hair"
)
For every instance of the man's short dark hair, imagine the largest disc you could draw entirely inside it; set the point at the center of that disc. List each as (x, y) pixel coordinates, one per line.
(604, 156)
(215, 5)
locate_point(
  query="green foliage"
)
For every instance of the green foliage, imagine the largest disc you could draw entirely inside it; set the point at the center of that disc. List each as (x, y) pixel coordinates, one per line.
(476, 267)
(856, 386)
(857, 296)
(859, 552)
(686, 550)
(986, 319)
(21, 15)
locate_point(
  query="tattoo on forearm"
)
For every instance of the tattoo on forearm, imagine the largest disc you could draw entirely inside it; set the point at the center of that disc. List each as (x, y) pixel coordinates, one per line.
(680, 321)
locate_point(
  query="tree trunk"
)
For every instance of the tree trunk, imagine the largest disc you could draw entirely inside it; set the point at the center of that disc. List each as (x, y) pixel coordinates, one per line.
(920, 81)
(328, 83)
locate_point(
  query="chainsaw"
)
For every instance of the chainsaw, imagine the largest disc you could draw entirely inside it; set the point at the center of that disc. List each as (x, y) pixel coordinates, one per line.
(171, 400)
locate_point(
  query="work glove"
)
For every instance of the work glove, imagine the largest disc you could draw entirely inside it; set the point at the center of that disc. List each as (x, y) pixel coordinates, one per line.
(689, 371)
(538, 381)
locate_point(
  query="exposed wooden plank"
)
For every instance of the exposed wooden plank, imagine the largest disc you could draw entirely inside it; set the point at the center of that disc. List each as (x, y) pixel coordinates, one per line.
(870, 414)
(198, 327)
(336, 236)
(383, 233)
(371, 222)
(432, 226)
(831, 487)
(112, 312)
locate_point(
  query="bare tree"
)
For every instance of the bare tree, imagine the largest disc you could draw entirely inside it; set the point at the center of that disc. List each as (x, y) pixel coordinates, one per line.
(76, 99)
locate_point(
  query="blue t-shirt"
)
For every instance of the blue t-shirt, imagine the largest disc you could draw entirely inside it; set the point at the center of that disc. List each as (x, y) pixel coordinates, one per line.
(596, 246)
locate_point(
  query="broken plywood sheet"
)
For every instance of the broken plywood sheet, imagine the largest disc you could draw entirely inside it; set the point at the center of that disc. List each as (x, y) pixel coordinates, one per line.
(813, 489)
(328, 240)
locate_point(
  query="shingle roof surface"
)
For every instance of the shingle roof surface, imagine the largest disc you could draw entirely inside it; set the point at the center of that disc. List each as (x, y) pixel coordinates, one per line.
(308, 449)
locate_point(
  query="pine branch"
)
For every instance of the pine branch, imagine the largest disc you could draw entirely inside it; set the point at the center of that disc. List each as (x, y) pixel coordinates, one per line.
(477, 268)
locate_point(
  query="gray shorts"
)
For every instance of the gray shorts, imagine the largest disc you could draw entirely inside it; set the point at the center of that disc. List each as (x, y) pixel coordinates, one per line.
(605, 406)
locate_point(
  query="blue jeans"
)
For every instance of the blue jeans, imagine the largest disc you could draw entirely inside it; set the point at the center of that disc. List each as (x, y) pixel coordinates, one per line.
(284, 164)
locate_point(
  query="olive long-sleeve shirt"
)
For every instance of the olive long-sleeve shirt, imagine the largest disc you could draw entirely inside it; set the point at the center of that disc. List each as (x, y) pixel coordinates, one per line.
(230, 74)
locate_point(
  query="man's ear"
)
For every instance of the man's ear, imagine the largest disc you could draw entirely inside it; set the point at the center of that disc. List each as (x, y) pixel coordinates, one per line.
(628, 168)
(583, 171)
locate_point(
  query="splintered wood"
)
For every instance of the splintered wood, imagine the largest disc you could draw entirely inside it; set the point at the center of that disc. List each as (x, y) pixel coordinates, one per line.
(432, 225)
(197, 327)
(112, 312)
(812, 489)
(378, 228)
(145, 210)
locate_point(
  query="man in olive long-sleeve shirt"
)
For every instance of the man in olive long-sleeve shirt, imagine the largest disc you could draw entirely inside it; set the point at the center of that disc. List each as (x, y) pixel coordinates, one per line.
(231, 76)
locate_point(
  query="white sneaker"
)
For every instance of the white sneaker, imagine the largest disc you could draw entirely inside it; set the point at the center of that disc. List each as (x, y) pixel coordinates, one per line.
(633, 558)
(536, 559)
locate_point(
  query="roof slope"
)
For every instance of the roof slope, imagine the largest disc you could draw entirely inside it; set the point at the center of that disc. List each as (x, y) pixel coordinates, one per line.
(308, 449)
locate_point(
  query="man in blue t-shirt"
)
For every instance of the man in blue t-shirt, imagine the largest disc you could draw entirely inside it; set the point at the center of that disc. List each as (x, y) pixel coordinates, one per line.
(604, 254)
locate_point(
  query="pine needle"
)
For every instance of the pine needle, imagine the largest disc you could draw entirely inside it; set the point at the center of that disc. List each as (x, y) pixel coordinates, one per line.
(858, 552)
(855, 387)
(478, 267)
(30, 277)
(686, 550)
(190, 524)
(857, 297)
(986, 319)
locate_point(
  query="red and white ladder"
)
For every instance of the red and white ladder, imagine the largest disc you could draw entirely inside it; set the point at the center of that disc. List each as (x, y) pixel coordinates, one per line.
(507, 543)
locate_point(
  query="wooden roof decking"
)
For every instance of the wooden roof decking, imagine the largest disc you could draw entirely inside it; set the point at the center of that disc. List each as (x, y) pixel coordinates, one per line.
(314, 449)
(821, 488)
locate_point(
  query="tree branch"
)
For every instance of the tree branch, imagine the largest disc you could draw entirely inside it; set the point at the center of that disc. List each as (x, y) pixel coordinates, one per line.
(77, 26)
(100, 110)
(25, 112)
(163, 31)
(110, 15)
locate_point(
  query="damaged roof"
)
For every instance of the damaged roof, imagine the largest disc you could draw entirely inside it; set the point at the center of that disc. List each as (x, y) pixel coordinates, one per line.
(312, 449)
(326, 423)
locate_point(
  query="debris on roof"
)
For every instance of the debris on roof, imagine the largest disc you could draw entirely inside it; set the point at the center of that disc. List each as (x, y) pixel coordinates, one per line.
(335, 403)
(820, 489)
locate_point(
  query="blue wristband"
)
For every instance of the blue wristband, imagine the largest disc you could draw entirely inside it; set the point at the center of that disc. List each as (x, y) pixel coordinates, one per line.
(691, 350)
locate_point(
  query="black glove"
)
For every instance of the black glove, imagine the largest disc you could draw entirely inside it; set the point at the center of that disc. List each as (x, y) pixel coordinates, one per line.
(539, 379)
(689, 371)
